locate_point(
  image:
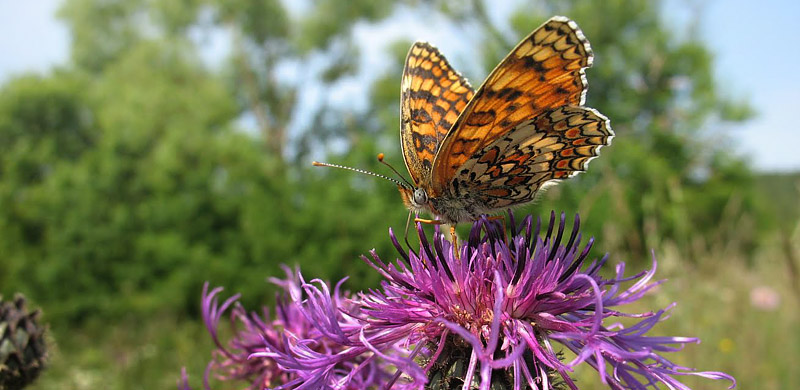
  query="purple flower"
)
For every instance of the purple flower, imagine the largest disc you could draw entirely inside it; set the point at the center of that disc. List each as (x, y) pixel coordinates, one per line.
(289, 330)
(496, 314)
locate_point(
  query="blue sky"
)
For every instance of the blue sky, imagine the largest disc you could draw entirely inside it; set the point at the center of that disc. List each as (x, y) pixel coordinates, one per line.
(755, 43)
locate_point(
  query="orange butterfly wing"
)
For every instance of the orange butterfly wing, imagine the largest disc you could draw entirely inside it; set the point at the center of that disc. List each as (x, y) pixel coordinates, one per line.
(544, 71)
(432, 97)
(557, 144)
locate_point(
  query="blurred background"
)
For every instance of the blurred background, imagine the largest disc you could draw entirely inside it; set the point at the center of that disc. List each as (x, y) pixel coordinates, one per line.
(148, 146)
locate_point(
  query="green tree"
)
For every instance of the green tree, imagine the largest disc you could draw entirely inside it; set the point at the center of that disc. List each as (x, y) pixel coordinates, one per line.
(44, 123)
(129, 182)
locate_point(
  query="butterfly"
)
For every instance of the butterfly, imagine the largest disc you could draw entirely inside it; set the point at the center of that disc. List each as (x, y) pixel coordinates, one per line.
(471, 153)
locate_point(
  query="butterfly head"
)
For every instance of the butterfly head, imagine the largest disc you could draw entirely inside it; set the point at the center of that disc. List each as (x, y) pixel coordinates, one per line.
(415, 199)
(420, 197)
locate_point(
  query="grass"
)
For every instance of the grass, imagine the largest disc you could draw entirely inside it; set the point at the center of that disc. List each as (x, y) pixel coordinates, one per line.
(134, 354)
(759, 346)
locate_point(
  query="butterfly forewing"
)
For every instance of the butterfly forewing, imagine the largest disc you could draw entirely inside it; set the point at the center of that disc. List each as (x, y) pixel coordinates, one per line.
(545, 71)
(432, 97)
(556, 144)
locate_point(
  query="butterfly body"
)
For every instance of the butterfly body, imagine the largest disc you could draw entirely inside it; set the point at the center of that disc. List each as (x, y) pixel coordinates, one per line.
(449, 209)
(471, 153)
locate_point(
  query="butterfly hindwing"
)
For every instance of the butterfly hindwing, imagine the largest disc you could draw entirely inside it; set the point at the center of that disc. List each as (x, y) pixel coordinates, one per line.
(544, 71)
(432, 97)
(557, 144)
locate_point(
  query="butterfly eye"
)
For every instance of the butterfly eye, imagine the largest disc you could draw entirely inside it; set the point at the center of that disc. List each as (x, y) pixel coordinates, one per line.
(420, 197)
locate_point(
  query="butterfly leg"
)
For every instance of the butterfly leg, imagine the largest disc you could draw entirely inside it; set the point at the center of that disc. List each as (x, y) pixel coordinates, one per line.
(453, 236)
(429, 221)
(405, 237)
(501, 218)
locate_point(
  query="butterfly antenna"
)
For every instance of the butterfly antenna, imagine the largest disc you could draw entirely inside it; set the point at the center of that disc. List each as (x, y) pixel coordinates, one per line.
(380, 159)
(321, 164)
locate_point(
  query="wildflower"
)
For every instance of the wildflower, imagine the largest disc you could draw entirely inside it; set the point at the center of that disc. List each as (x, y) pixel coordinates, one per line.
(765, 298)
(498, 314)
(289, 326)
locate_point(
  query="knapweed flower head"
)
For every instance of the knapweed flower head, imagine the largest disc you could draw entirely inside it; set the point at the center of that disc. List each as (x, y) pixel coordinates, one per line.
(290, 328)
(495, 312)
